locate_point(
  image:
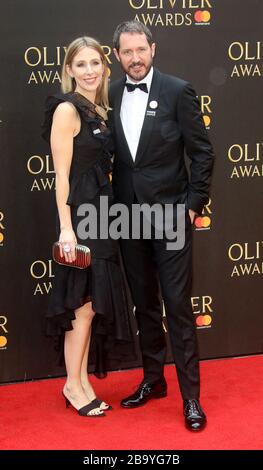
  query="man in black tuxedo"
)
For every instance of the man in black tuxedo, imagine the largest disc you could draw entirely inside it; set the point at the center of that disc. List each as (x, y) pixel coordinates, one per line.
(155, 118)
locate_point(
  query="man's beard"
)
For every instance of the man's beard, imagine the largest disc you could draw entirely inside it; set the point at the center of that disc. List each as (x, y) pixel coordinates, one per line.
(138, 76)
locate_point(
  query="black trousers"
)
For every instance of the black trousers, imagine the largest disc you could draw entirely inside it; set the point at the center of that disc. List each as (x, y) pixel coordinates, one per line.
(154, 273)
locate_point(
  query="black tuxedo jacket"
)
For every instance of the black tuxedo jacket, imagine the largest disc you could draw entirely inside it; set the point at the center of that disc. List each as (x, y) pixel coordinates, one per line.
(159, 173)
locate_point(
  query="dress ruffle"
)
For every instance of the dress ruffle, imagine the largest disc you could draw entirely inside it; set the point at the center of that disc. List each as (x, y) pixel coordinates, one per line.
(86, 109)
(85, 188)
(101, 284)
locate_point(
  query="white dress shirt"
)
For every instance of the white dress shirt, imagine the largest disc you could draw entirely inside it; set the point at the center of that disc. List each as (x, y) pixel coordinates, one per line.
(133, 108)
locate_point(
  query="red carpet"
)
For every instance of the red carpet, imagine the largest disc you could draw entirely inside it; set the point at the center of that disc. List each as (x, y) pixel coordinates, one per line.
(33, 414)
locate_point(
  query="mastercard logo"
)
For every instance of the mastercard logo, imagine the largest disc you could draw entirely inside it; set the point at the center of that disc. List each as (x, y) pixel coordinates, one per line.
(203, 320)
(207, 120)
(3, 341)
(202, 16)
(202, 222)
(1, 237)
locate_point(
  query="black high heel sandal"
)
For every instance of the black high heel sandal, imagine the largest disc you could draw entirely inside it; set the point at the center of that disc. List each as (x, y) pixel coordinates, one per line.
(99, 403)
(84, 411)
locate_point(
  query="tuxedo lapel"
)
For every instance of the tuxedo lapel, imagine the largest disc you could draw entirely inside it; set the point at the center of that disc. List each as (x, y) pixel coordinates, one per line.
(118, 124)
(149, 115)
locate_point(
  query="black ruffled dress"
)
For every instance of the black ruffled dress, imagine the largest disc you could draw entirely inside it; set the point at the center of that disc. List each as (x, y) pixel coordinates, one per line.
(102, 282)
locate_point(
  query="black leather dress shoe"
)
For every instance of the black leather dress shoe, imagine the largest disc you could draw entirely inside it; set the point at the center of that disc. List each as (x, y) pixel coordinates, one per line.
(145, 392)
(195, 419)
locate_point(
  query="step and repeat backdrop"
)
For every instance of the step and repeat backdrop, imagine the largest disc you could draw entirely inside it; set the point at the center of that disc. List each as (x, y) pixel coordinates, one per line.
(217, 45)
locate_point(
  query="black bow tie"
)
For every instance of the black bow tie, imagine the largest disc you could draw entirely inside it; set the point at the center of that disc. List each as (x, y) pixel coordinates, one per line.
(132, 86)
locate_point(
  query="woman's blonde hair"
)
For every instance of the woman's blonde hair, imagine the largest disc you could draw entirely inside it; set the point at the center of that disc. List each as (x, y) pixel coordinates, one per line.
(68, 83)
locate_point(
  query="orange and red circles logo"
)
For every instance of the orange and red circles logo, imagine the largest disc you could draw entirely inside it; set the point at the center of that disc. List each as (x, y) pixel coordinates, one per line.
(202, 16)
(3, 341)
(202, 222)
(204, 320)
(1, 237)
(207, 120)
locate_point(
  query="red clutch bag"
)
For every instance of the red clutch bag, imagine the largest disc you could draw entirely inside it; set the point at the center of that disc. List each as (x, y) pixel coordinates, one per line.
(83, 257)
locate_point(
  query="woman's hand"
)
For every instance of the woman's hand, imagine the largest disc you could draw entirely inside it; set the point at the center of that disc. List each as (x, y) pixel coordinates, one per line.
(67, 242)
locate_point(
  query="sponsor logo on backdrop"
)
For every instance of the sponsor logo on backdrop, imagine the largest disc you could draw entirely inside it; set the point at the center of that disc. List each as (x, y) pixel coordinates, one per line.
(246, 160)
(2, 228)
(42, 273)
(173, 13)
(246, 59)
(246, 258)
(41, 171)
(203, 311)
(45, 63)
(206, 108)
(3, 332)
(203, 222)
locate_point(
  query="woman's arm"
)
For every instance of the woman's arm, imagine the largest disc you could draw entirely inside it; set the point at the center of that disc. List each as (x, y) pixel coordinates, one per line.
(65, 121)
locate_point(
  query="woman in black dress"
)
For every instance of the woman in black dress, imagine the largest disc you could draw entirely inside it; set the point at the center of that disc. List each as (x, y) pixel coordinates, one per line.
(94, 299)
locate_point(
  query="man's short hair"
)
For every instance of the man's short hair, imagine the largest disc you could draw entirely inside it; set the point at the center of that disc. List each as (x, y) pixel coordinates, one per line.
(132, 26)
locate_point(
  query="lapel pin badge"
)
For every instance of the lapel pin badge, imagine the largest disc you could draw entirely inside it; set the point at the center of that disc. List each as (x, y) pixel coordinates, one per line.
(153, 104)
